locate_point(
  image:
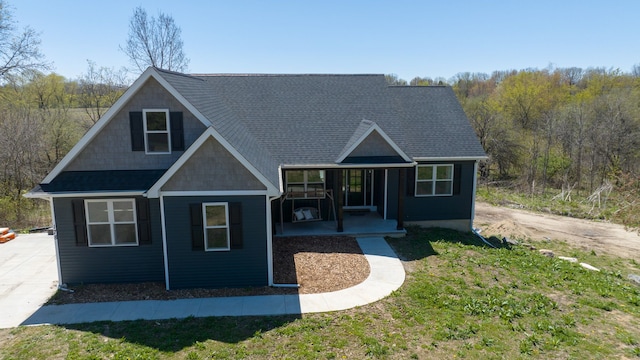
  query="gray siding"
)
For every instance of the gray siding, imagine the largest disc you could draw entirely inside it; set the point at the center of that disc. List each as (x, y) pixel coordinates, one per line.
(111, 149)
(438, 207)
(374, 145)
(213, 167)
(190, 268)
(85, 265)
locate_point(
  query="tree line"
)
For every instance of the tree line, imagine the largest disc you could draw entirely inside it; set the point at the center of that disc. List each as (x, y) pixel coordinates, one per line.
(42, 114)
(570, 127)
(570, 130)
(565, 131)
(41, 117)
(556, 127)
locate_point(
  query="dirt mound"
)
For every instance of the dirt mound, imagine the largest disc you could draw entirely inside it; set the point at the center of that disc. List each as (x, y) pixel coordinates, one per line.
(506, 228)
(589, 235)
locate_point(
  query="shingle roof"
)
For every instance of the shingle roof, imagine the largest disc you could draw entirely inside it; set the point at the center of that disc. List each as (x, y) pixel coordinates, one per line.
(304, 119)
(309, 119)
(434, 122)
(224, 120)
(107, 180)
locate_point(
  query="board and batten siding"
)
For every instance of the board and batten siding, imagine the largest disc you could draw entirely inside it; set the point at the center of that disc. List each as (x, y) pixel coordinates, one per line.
(189, 268)
(122, 264)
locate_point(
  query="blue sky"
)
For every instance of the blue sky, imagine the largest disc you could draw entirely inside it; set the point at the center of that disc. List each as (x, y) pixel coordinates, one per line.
(408, 38)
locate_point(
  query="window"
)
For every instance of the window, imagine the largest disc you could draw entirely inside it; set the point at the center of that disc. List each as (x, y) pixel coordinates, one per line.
(434, 180)
(306, 184)
(216, 226)
(156, 131)
(111, 222)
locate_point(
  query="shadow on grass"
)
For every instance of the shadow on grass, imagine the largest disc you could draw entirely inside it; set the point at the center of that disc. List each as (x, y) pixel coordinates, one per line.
(177, 334)
(418, 242)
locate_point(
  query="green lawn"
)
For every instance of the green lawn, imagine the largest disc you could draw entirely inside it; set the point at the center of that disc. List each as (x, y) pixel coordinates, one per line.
(460, 300)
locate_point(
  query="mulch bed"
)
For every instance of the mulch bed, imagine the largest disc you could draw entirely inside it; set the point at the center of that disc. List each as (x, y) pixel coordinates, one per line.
(317, 263)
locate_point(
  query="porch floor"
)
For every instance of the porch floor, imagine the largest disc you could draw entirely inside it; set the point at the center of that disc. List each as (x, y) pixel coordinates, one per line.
(354, 224)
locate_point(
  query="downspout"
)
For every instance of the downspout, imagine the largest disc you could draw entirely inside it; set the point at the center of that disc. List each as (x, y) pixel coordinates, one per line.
(473, 205)
(164, 243)
(61, 286)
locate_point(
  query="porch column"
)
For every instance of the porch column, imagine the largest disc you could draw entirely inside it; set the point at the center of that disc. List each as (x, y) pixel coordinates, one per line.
(401, 194)
(340, 198)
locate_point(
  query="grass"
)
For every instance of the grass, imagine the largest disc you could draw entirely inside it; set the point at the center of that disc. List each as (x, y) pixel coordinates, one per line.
(460, 300)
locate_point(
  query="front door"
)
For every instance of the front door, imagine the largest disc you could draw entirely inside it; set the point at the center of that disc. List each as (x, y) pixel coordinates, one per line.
(358, 188)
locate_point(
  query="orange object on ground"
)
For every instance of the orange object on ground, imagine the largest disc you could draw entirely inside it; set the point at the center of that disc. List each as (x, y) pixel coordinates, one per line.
(6, 235)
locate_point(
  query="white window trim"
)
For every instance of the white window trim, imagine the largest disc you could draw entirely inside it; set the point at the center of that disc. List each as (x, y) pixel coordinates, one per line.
(147, 132)
(434, 180)
(205, 227)
(111, 221)
(306, 183)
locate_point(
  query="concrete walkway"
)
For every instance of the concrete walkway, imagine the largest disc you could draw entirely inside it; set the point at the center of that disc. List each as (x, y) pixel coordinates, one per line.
(387, 274)
(28, 276)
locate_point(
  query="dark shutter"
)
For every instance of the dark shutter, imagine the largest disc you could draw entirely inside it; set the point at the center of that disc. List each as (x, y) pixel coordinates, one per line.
(137, 131)
(144, 221)
(79, 222)
(457, 173)
(411, 181)
(177, 131)
(197, 230)
(235, 224)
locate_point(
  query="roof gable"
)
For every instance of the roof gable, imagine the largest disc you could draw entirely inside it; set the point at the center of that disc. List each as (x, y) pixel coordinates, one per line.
(369, 140)
(212, 167)
(210, 133)
(113, 110)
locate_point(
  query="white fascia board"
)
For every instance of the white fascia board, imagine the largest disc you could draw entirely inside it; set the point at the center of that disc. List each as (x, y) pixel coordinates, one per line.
(89, 194)
(37, 195)
(348, 166)
(386, 138)
(460, 158)
(154, 191)
(114, 109)
(215, 193)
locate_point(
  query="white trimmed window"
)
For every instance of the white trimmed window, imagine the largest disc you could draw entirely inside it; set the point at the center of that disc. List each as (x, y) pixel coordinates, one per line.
(111, 222)
(157, 137)
(306, 184)
(216, 226)
(434, 180)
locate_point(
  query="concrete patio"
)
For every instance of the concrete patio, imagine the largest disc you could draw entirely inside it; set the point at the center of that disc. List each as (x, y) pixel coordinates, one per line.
(358, 224)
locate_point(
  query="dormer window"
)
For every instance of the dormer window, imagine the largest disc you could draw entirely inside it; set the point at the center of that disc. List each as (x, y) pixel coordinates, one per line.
(156, 131)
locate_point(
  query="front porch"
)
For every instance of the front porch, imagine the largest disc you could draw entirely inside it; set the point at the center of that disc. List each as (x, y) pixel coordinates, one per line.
(356, 223)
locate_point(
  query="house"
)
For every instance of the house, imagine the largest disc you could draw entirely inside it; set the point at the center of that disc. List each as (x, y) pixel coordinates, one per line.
(185, 178)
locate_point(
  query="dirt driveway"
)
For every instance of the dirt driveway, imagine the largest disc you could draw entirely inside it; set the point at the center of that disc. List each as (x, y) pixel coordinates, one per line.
(589, 235)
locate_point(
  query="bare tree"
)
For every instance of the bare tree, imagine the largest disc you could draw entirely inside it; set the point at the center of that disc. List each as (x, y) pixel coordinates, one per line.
(394, 80)
(19, 49)
(155, 42)
(99, 88)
